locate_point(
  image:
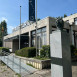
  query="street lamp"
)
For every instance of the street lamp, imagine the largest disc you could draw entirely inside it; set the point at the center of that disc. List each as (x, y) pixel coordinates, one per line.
(20, 31)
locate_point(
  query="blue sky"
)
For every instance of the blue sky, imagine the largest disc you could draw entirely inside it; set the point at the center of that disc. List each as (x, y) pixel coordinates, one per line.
(9, 10)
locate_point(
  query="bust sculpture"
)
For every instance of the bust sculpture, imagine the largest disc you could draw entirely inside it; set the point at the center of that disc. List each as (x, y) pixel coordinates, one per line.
(59, 23)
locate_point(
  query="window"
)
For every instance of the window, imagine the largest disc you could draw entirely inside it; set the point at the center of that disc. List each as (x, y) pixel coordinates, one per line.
(67, 21)
(41, 37)
(75, 21)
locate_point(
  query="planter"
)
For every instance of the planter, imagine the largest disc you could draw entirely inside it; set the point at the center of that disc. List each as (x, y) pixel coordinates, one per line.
(39, 64)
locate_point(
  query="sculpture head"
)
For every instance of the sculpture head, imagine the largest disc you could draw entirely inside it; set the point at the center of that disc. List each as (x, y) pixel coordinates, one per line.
(59, 23)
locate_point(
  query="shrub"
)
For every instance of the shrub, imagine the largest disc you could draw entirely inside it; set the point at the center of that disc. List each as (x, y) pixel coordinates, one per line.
(3, 49)
(72, 50)
(75, 52)
(26, 52)
(45, 51)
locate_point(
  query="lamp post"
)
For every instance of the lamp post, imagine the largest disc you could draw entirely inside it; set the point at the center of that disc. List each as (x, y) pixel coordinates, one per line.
(36, 28)
(20, 30)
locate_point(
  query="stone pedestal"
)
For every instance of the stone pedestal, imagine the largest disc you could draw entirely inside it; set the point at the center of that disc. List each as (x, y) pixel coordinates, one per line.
(60, 54)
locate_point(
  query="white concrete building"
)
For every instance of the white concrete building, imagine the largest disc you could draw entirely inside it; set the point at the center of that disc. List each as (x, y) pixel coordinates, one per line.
(45, 27)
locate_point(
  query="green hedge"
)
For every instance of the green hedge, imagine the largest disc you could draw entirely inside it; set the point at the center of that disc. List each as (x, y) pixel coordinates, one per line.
(73, 49)
(4, 49)
(45, 51)
(26, 52)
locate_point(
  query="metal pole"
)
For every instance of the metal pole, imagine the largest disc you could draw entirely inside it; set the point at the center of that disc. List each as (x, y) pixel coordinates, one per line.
(36, 28)
(13, 62)
(20, 65)
(20, 30)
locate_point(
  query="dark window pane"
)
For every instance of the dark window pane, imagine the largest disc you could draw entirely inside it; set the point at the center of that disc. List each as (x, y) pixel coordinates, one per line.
(39, 31)
(75, 20)
(43, 29)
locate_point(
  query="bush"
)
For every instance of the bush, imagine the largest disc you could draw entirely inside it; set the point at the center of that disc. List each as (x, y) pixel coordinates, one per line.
(72, 50)
(3, 49)
(45, 51)
(75, 53)
(26, 52)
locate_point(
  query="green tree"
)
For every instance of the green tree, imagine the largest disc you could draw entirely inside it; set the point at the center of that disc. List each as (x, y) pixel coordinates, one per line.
(3, 30)
(65, 15)
(4, 26)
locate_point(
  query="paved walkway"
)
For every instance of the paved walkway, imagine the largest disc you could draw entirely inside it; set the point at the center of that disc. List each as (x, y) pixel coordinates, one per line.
(16, 65)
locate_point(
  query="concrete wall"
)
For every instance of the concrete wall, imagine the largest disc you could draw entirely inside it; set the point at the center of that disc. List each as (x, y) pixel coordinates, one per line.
(15, 45)
(70, 18)
(8, 44)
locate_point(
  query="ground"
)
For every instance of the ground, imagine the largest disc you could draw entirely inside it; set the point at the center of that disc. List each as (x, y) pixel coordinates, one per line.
(7, 72)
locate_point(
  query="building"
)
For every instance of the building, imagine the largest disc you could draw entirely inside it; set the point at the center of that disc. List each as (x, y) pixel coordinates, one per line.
(45, 27)
(72, 20)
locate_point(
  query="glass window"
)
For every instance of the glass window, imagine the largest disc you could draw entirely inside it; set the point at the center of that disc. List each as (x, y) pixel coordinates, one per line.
(44, 29)
(39, 31)
(33, 32)
(44, 40)
(33, 40)
(39, 41)
(41, 37)
(67, 21)
(75, 20)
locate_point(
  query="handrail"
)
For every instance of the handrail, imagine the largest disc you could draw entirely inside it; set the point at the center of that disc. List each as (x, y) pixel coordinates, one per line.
(7, 54)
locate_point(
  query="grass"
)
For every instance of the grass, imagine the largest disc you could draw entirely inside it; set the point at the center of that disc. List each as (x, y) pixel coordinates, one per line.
(18, 75)
(3, 64)
(30, 65)
(41, 58)
(3, 71)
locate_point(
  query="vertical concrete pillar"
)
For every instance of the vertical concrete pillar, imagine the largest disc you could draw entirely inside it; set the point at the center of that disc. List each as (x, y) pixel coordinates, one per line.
(60, 54)
(29, 39)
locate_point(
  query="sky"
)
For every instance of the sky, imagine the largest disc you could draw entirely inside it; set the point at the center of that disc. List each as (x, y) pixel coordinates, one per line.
(10, 10)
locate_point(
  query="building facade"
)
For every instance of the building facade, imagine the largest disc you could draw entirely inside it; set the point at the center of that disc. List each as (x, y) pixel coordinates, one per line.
(28, 33)
(72, 20)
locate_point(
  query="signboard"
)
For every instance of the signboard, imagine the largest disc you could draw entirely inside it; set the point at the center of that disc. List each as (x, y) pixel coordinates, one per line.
(32, 10)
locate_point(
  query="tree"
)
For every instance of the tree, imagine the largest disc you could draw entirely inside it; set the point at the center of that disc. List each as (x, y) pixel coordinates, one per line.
(4, 27)
(65, 15)
(3, 31)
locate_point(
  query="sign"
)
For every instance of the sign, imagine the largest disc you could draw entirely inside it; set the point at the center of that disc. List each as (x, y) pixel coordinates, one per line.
(32, 10)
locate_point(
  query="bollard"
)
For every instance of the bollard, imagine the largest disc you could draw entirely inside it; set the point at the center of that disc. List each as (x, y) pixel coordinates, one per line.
(60, 54)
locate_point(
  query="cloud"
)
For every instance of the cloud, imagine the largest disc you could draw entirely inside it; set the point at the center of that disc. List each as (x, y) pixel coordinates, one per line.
(10, 28)
(4, 18)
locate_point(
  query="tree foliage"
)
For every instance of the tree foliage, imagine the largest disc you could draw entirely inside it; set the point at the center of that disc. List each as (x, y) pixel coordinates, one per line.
(65, 15)
(3, 30)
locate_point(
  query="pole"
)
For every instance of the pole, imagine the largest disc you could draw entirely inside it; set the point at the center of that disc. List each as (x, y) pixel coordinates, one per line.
(36, 28)
(20, 30)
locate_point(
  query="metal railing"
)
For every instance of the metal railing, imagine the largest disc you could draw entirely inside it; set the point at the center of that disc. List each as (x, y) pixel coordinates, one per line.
(7, 58)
